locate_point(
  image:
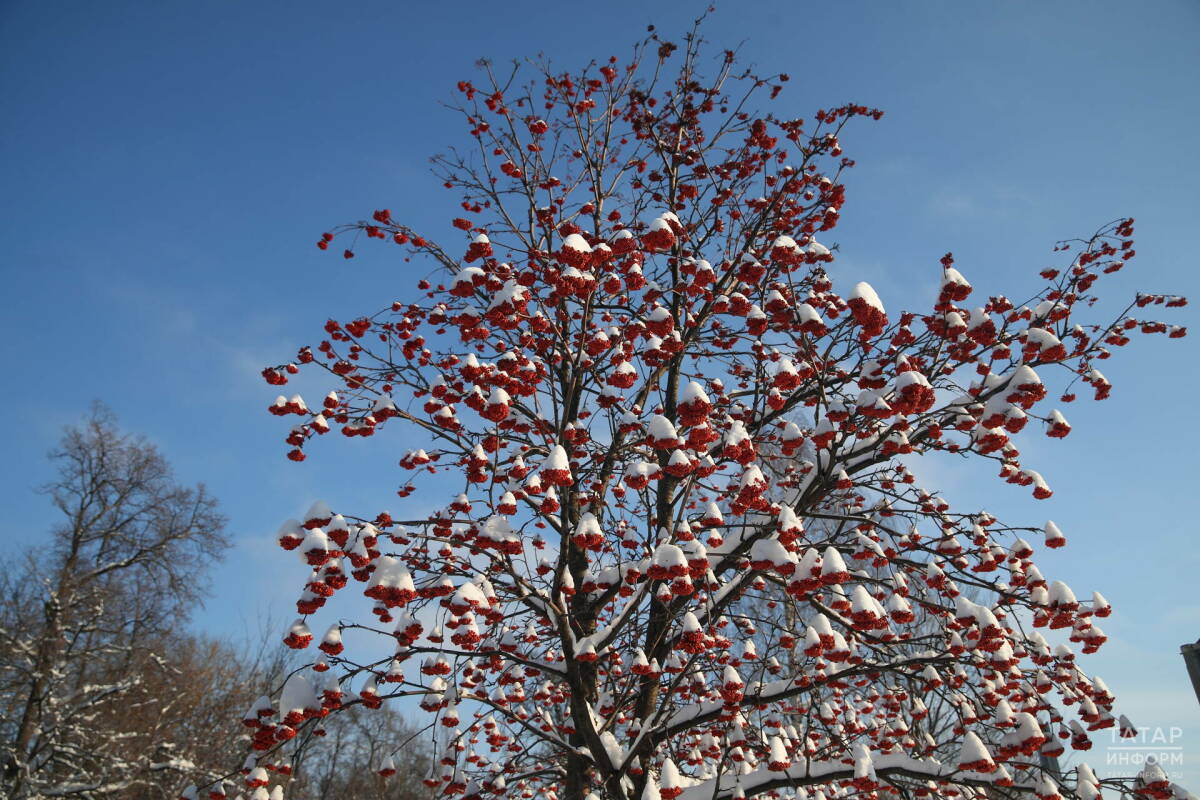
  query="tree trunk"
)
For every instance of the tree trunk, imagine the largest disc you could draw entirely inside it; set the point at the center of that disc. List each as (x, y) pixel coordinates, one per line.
(17, 764)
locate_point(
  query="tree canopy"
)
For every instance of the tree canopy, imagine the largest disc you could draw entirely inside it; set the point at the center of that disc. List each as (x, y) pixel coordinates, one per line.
(685, 555)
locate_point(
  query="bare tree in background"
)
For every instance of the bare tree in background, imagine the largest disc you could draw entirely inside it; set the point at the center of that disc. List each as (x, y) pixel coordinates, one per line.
(365, 737)
(223, 680)
(104, 693)
(85, 615)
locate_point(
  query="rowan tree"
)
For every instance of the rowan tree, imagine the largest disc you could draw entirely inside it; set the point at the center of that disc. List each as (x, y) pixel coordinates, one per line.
(656, 407)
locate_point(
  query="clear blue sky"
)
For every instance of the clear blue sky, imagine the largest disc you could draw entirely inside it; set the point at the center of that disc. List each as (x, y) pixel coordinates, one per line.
(167, 167)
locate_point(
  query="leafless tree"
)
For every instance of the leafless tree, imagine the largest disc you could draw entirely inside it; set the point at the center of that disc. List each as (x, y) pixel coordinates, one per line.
(356, 740)
(86, 616)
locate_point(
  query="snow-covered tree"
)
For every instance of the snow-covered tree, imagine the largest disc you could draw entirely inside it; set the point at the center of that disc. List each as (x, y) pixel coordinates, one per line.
(362, 738)
(645, 402)
(88, 683)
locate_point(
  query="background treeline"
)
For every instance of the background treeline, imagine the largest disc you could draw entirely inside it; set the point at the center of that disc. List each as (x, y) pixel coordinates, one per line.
(104, 690)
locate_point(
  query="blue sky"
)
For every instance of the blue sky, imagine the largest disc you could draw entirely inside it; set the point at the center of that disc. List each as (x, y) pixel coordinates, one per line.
(167, 167)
